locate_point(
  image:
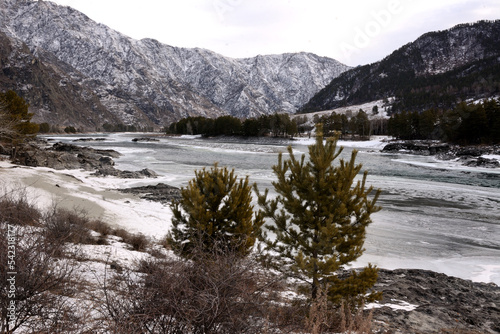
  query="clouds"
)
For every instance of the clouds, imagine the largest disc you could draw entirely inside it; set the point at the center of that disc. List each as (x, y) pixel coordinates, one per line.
(354, 32)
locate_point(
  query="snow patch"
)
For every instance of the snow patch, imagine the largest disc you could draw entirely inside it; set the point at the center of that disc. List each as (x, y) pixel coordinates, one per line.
(396, 305)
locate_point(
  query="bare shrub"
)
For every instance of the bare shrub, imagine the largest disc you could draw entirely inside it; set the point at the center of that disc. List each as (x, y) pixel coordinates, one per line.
(137, 241)
(15, 208)
(216, 293)
(325, 317)
(34, 282)
(67, 226)
(100, 227)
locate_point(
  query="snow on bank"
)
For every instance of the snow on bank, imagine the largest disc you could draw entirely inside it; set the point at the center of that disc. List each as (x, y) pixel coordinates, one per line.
(96, 196)
(491, 156)
(375, 143)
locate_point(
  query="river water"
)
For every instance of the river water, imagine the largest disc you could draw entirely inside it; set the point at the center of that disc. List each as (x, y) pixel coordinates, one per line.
(435, 215)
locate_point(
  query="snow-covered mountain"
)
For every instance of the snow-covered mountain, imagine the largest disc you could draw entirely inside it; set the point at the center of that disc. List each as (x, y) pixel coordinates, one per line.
(436, 70)
(141, 81)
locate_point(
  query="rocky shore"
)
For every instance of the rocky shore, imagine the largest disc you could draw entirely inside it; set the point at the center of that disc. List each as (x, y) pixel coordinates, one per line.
(471, 156)
(414, 300)
(421, 301)
(61, 156)
(161, 192)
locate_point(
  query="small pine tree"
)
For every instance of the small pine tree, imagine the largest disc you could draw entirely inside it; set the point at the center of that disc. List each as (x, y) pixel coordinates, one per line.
(16, 110)
(15, 125)
(215, 212)
(320, 218)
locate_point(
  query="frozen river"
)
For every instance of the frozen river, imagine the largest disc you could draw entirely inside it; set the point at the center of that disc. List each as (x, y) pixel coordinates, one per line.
(435, 215)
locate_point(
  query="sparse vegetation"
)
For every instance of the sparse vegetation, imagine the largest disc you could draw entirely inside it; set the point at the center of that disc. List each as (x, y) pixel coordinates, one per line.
(214, 289)
(218, 293)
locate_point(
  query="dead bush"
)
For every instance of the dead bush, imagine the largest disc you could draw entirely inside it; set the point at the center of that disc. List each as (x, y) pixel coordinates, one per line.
(41, 282)
(216, 293)
(63, 226)
(325, 317)
(100, 227)
(15, 208)
(137, 241)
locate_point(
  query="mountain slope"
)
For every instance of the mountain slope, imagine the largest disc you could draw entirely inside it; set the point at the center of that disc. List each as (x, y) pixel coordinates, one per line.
(433, 71)
(58, 98)
(134, 79)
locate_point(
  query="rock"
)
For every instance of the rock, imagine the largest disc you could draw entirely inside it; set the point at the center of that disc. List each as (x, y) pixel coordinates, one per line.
(468, 151)
(469, 155)
(146, 139)
(106, 161)
(68, 156)
(441, 304)
(62, 147)
(439, 148)
(88, 139)
(161, 192)
(124, 174)
(482, 162)
(408, 147)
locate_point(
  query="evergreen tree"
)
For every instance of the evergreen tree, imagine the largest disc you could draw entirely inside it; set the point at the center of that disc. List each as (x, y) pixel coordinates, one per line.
(319, 220)
(215, 212)
(15, 113)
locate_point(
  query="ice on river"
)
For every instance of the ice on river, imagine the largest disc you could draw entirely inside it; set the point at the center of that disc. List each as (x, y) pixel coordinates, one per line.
(436, 215)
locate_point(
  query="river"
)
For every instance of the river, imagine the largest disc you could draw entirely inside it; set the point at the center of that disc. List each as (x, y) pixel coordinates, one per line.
(435, 215)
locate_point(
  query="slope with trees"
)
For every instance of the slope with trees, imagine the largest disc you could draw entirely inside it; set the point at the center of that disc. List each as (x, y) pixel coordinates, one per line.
(439, 69)
(466, 124)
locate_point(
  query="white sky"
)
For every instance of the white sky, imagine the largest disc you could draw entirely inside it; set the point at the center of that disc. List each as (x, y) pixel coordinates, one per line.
(354, 32)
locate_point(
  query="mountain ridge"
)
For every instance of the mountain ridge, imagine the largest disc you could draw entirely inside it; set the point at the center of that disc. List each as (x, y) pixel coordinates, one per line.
(144, 81)
(408, 73)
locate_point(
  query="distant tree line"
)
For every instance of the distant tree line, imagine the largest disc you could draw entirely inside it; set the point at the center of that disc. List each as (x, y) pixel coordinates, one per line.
(347, 125)
(107, 127)
(276, 125)
(467, 123)
(119, 127)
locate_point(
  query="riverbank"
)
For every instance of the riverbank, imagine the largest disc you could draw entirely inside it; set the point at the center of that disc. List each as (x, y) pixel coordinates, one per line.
(415, 301)
(487, 156)
(97, 197)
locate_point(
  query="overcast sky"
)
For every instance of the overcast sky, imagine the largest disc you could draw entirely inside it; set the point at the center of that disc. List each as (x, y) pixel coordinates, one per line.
(354, 32)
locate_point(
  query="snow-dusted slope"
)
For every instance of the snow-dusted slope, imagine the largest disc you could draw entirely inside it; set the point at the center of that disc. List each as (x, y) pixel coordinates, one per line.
(133, 78)
(435, 71)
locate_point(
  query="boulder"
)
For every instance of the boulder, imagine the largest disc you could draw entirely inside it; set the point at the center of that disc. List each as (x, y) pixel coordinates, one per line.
(160, 192)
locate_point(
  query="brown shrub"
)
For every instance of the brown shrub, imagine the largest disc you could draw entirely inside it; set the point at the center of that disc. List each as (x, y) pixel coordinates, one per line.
(216, 293)
(63, 226)
(325, 317)
(137, 241)
(41, 281)
(16, 209)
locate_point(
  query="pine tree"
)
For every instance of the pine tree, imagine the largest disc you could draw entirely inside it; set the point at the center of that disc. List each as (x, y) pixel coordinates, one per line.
(215, 213)
(15, 118)
(319, 220)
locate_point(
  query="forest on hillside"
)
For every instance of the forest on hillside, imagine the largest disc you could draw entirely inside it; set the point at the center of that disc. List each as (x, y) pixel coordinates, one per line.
(466, 124)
